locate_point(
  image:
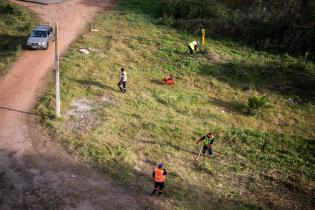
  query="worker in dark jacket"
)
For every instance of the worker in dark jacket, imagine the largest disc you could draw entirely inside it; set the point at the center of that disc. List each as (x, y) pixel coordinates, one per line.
(159, 175)
(207, 143)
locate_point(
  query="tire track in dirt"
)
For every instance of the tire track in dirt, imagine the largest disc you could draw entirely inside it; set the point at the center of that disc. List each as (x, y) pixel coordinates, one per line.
(35, 172)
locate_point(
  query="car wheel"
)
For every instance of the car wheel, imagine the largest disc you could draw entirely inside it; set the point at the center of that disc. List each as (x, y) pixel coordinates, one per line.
(46, 46)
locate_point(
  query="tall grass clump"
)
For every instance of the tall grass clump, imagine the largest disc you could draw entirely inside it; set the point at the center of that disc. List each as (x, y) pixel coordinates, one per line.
(15, 25)
(255, 103)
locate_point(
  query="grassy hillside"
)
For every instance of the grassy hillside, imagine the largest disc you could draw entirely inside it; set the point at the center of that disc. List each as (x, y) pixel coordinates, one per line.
(15, 24)
(262, 161)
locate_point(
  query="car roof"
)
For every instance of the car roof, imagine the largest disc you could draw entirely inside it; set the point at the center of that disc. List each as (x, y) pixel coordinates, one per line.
(42, 27)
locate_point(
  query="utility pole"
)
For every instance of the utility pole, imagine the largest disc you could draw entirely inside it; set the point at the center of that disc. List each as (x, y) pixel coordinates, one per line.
(57, 71)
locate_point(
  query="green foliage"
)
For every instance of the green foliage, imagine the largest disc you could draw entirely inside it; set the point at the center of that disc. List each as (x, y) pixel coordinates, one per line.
(150, 6)
(15, 25)
(309, 9)
(7, 8)
(281, 25)
(256, 102)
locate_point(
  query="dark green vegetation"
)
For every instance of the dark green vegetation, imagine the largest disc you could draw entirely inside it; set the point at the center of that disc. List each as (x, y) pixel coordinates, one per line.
(15, 25)
(272, 24)
(255, 103)
(262, 161)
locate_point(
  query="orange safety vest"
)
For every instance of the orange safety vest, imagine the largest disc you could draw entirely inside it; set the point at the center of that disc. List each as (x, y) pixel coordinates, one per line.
(159, 177)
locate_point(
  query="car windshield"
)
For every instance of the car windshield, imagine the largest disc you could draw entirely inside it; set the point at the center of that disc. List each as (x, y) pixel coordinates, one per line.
(39, 34)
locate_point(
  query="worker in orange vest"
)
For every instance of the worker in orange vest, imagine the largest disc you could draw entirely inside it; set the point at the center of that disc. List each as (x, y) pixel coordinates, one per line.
(159, 175)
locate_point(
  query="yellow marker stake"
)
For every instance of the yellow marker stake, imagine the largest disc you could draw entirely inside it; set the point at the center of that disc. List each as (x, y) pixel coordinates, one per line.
(203, 31)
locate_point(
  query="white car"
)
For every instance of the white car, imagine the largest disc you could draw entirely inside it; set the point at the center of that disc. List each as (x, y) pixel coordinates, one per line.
(40, 37)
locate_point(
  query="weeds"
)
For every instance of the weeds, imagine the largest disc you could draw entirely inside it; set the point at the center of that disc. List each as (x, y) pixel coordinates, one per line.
(255, 103)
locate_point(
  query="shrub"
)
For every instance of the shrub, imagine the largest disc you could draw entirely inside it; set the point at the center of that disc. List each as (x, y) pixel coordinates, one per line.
(255, 103)
(7, 8)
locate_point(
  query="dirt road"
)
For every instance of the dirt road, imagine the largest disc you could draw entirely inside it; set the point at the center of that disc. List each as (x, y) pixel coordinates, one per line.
(35, 172)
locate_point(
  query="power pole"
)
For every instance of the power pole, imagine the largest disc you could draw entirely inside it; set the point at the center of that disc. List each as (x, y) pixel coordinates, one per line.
(57, 72)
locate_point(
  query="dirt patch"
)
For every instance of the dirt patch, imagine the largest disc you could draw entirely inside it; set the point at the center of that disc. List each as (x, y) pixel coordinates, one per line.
(82, 116)
(108, 100)
(83, 113)
(214, 58)
(80, 108)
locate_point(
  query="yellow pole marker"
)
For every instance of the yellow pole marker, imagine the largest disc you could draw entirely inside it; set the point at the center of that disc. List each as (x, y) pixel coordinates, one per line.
(203, 31)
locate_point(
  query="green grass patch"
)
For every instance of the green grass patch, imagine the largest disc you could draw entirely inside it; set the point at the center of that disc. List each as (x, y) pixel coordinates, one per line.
(15, 25)
(127, 134)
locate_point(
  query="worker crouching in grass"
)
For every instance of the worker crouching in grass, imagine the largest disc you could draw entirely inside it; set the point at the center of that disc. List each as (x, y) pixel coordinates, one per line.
(159, 175)
(193, 47)
(207, 143)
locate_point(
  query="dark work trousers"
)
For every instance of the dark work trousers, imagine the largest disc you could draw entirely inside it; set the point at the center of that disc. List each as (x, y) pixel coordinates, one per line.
(191, 50)
(122, 86)
(158, 186)
(207, 147)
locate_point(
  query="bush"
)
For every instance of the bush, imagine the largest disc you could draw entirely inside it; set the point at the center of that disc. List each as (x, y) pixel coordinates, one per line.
(7, 8)
(255, 103)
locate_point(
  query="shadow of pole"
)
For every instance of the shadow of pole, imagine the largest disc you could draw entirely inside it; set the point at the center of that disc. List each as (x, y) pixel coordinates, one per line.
(15, 110)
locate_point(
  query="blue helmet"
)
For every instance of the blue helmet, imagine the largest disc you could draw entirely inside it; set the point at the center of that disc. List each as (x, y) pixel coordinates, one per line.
(161, 165)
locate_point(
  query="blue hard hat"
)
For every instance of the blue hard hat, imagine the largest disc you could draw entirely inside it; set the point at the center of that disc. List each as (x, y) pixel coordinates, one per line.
(161, 165)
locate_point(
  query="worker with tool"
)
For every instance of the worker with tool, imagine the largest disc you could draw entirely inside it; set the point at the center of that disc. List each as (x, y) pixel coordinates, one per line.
(193, 47)
(207, 144)
(122, 84)
(159, 175)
